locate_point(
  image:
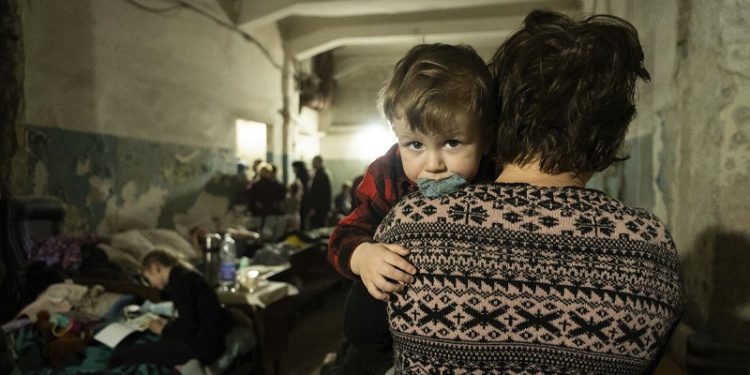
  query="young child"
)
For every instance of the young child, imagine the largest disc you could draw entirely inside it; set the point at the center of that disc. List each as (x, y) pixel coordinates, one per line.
(200, 328)
(292, 204)
(440, 103)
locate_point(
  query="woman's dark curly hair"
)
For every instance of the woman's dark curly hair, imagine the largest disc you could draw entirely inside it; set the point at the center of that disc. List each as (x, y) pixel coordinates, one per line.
(566, 91)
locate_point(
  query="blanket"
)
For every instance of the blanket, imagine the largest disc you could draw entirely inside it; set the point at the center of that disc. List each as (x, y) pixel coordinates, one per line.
(91, 360)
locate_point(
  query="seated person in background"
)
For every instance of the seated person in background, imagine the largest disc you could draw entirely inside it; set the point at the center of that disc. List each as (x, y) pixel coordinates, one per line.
(199, 330)
(343, 200)
(534, 273)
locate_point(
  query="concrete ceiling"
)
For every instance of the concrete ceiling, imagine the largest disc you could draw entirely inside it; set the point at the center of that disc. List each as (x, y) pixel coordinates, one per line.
(386, 27)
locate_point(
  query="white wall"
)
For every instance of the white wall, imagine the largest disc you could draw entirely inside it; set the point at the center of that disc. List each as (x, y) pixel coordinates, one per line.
(690, 148)
(110, 67)
(131, 114)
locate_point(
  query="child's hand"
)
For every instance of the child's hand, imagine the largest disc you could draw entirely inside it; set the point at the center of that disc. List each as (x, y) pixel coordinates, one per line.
(382, 268)
(157, 325)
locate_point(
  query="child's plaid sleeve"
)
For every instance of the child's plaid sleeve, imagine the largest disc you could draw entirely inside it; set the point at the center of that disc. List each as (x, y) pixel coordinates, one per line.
(383, 184)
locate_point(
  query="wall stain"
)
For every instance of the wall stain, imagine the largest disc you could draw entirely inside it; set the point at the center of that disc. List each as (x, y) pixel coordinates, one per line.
(741, 115)
(107, 182)
(729, 164)
(100, 190)
(738, 140)
(83, 167)
(40, 178)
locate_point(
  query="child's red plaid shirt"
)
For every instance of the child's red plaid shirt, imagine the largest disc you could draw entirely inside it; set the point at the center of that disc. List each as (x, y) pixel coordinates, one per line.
(383, 185)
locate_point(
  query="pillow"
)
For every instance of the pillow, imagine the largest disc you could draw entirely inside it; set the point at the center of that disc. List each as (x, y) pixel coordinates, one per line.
(124, 260)
(170, 239)
(132, 242)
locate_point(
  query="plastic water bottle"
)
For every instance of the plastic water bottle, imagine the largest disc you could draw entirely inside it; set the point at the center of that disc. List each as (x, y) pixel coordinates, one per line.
(227, 271)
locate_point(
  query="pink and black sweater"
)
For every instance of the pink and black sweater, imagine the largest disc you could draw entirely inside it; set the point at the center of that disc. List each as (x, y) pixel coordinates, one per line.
(516, 279)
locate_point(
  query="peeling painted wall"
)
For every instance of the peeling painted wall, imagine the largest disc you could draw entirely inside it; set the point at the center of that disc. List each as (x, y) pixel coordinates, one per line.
(111, 183)
(728, 95)
(692, 143)
(130, 114)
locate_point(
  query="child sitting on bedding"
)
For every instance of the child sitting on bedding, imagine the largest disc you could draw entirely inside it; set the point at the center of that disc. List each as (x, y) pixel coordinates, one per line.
(199, 330)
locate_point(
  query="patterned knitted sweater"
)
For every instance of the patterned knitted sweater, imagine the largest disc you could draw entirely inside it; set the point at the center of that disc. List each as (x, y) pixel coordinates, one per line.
(516, 279)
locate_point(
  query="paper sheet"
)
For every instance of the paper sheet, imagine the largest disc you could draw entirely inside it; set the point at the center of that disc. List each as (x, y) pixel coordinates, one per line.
(112, 334)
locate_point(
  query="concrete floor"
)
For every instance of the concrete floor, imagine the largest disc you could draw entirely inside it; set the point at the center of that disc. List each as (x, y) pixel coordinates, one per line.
(318, 330)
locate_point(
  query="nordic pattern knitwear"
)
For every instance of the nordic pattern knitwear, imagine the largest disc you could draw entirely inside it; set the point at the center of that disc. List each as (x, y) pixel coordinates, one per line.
(516, 279)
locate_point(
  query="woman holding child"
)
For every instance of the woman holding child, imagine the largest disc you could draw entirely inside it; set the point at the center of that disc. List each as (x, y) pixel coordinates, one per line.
(534, 273)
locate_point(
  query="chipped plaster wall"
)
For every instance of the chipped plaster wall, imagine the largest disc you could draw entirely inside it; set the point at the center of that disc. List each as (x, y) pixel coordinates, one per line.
(690, 147)
(130, 114)
(111, 183)
(710, 207)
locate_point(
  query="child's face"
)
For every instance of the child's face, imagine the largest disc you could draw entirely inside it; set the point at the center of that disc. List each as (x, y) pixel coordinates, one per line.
(440, 154)
(155, 276)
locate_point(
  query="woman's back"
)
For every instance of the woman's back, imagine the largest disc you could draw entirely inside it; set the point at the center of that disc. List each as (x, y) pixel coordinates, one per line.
(517, 279)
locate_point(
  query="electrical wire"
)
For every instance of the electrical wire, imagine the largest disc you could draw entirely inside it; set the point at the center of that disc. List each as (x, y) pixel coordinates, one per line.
(233, 27)
(245, 35)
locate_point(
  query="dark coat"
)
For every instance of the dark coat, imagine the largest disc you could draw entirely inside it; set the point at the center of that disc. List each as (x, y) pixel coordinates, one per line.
(265, 198)
(319, 197)
(202, 322)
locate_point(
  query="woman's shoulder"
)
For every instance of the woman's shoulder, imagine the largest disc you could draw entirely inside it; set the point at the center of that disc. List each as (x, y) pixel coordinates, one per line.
(552, 210)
